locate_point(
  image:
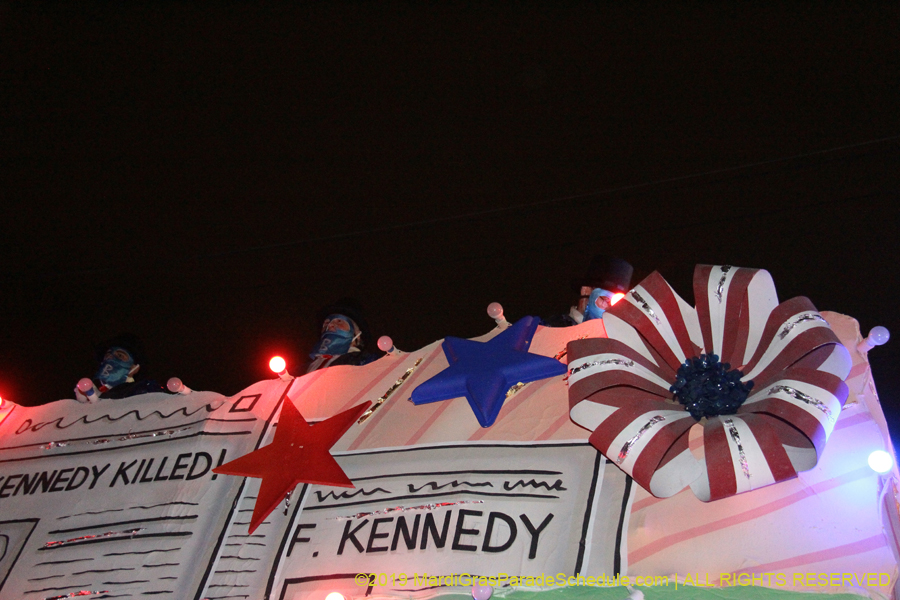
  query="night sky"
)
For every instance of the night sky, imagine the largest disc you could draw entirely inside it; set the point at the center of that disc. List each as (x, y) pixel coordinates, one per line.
(208, 175)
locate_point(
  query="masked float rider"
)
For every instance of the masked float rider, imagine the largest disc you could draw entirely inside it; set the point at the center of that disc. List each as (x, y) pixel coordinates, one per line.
(344, 338)
(606, 280)
(120, 362)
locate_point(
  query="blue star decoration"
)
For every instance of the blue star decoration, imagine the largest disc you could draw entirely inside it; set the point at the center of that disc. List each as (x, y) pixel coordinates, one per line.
(484, 371)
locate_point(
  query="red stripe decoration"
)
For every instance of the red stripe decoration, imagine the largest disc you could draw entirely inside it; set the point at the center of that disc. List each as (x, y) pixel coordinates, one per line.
(858, 370)
(817, 357)
(799, 419)
(799, 347)
(615, 374)
(875, 542)
(375, 380)
(701, 297)
(624, 373)
(736, 357)
(663, 294)
(889, 506)
(783, 320)
(627, 418)
(817, 421)
(733, 520)
(645, 503)
(658, 438)
(556, 426)
(857, 419)
(423, 429)
(510, 405)
(578, 349)
(646, 326)
(379, 415)
(794, 404)
(682, 443)
(769, 435)
(734, 337)
(629, 390)
(719, 463)
(652, 456)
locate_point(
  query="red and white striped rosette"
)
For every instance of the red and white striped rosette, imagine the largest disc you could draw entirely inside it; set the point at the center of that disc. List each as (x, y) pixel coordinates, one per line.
(619, 387)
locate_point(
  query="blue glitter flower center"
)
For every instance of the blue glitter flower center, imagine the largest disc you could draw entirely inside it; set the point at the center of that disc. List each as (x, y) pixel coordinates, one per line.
(708, 388)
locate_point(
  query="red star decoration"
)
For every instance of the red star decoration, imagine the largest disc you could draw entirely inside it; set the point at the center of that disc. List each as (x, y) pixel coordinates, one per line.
(298, 454)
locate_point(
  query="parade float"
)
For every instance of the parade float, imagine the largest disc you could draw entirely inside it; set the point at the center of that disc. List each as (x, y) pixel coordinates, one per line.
(668, 448)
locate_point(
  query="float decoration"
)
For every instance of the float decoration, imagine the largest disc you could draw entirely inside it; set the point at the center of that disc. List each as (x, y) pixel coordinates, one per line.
(119, 497)
(298, 454)
(642, 399)
(484, 371)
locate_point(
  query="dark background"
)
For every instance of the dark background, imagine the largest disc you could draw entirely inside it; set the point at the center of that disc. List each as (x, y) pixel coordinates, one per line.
(209, 175)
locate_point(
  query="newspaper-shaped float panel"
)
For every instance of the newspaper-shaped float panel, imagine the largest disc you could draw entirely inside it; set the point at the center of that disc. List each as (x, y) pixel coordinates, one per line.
(118, 498)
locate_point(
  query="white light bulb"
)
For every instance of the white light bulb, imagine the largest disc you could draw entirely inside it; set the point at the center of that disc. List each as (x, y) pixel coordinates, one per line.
(385, 343)
(879, 335)
(495, 310)
(881, 461)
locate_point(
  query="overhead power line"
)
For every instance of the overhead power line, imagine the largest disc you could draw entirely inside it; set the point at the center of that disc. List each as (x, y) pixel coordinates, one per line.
(549, 201)
(557, 200)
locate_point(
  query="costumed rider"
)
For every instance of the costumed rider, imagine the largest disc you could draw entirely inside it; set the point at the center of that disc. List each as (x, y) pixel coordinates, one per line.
(606, 281)
(345, 337)
(119, 370)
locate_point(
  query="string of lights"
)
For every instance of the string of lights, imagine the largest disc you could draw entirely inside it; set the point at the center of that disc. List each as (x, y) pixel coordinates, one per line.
(744, 170)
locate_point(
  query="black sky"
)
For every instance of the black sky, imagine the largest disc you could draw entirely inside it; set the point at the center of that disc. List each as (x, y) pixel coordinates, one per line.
(208, 174)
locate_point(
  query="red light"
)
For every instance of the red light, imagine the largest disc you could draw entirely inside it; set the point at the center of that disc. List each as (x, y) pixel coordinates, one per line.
(1, 402)
(616, 298)
(277, 364)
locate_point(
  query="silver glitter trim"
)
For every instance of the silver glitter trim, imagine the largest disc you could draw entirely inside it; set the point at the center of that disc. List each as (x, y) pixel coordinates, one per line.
(405, 508)
(798, 395)
(597, 363)
(124, 438)
(800, 319)
(78, 594)
(643, 303)
(108, 534)
(371, 410)
(627, 446)
(721, 287)
(742, 456)
(514, 389)
(287, 500)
